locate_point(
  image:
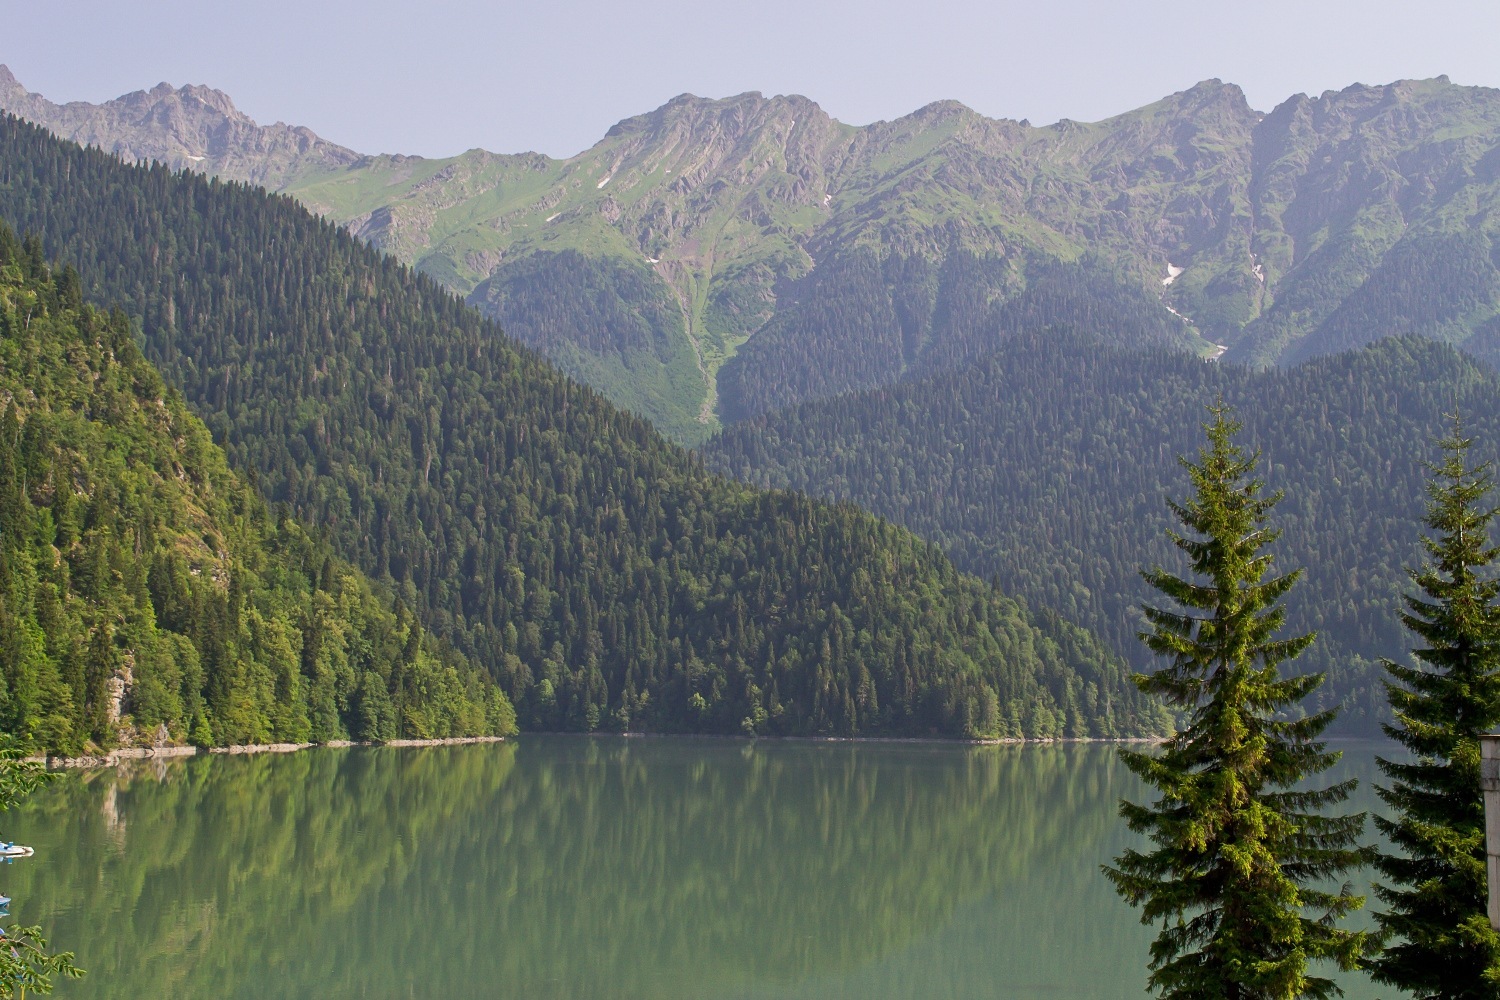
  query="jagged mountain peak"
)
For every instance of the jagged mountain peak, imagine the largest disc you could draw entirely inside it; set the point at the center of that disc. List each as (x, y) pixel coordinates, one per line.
(1205, 99)
(736, 115)
(1234, 219)
(192, 127)
(942, 109)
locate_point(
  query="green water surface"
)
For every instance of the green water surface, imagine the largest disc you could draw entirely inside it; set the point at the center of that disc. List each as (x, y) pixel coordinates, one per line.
(586, 867)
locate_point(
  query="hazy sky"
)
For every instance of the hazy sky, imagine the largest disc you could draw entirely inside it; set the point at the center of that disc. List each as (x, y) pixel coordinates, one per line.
(444, 75)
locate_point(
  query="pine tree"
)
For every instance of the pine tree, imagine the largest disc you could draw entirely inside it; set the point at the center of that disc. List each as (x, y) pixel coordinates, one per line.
(1236, 844)
(1444, 946)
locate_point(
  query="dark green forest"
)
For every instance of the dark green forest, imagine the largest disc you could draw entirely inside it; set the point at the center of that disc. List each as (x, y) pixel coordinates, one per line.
(599, 573)
(609, 324)
(1046, 467)
(860, 321)
(146, 593)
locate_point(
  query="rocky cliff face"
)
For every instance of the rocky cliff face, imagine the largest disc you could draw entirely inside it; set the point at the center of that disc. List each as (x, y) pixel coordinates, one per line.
(187, 128)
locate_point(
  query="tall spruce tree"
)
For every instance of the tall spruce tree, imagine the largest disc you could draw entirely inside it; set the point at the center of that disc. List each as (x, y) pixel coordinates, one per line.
(1237, 844)
(1443, 943)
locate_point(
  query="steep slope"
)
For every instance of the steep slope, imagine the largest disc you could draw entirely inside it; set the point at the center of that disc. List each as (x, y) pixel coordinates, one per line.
(146, 594)
(596, 570)
(1046, 465)
(708, 230)
(1351, 193)
(860, 321)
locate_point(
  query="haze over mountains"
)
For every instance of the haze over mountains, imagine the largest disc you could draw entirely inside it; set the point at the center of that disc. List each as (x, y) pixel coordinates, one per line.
(715, 259)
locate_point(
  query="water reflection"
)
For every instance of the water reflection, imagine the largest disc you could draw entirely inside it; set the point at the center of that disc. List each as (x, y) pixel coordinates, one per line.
(588, 867)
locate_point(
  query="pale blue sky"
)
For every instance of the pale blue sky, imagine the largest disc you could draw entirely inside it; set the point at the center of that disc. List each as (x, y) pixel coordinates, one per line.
(442, 76)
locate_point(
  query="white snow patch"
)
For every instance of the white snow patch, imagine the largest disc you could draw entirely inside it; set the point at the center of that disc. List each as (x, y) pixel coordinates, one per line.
(606, 180)
(552, 216)
(1260, 273)
(196, 159)
(827, 200)
(652, 260)
(1172, 272)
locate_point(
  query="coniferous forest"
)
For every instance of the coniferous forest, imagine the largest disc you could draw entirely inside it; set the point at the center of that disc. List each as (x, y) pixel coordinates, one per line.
(1044, 466)
(597, 572)
(143, 584)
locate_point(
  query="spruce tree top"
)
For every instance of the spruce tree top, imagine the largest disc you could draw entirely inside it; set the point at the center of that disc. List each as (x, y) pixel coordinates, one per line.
(1439, 942)
(1236, 844)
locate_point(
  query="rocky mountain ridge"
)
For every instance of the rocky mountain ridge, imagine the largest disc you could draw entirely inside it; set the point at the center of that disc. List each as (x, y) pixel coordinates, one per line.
(188, 128)
(646, 263)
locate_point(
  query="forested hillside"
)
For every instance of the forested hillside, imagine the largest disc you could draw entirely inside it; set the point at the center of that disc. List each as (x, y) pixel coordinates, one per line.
(860, 321)
(144, 588)
(596, 570)
(1047, 466)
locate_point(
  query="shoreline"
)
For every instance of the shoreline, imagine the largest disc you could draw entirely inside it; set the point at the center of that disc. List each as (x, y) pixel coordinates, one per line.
(936, 740)
(124, 754)
(114, 757)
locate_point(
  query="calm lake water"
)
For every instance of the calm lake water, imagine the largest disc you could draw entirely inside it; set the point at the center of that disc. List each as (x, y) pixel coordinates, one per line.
(580, 867)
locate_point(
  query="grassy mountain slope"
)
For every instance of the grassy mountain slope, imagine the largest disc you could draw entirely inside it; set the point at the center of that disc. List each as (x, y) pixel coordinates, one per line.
(146, 593)
(1271, 224)
(1046, 465)
(595, 569)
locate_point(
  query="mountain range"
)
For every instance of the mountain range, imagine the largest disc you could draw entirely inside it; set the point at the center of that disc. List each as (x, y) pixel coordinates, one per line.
(596, 571)
(989, 333)
(714, 259)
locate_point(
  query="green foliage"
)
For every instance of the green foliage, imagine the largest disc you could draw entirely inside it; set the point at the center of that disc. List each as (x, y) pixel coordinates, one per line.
(19, 776)
(147, 594)
(1041, 467)
(598, 572)
(26, 966)
(1236, 843)
(1444, 944)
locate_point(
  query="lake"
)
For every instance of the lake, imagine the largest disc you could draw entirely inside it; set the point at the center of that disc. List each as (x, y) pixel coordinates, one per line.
(596, 867)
